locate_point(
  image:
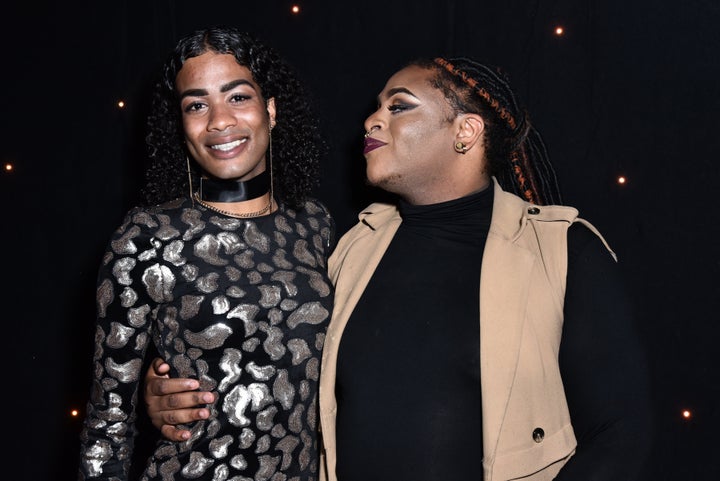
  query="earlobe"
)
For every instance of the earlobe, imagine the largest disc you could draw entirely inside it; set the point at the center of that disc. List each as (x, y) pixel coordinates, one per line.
(460, 147)
(271, 111)
(470, 130)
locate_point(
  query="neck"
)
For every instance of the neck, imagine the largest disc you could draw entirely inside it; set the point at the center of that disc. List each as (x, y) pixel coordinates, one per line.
(451, 192)
(220, 190)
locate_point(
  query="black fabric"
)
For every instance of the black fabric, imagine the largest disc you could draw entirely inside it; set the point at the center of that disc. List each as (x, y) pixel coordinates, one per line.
(604, 368)
(408, 385)
(413, 412)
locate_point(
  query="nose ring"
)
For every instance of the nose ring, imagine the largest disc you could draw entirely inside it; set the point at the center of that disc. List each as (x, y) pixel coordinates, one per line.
(369, 132)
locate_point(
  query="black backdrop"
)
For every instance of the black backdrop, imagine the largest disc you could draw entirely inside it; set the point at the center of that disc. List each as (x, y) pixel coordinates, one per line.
(630, 89)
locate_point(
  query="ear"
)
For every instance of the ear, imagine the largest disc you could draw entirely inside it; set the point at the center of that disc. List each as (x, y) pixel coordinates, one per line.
(470, 128)
(271, 111)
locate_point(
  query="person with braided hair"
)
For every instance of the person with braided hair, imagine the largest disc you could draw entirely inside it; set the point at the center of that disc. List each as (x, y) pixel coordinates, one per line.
(480, 330)
(224, 270)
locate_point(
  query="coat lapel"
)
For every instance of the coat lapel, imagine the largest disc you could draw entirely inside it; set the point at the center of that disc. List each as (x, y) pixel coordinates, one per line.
(352, 266)
(503, 302)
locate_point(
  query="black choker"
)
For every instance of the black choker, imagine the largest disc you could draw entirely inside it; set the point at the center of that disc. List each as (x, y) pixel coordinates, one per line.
(217, 190)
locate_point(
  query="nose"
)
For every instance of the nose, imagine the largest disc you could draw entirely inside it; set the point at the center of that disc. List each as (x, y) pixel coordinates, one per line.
(373, 122)
(368, 133)
(220, 118)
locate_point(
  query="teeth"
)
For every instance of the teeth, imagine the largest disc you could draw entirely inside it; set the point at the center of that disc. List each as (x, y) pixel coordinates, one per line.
(228, 146)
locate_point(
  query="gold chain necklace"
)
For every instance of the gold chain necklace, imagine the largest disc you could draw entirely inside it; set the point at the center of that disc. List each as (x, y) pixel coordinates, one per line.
(262, 211)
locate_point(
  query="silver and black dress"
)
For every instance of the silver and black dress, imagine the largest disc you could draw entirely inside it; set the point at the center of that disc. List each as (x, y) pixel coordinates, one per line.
(240, 304)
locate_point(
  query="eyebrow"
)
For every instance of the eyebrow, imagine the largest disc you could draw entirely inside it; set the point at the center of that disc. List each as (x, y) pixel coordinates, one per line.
(223, 88)
(398, 90)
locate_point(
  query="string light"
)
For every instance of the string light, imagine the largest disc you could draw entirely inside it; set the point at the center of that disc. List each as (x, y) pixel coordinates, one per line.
(559, 31)
(295, 9)
(621, 180)
(687, 414)
(9, 167)
(74, 413)
(121, 104)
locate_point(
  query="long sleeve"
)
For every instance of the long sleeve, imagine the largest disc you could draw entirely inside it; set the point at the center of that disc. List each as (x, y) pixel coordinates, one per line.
(603, 366)
(242, 306)
(121, 338)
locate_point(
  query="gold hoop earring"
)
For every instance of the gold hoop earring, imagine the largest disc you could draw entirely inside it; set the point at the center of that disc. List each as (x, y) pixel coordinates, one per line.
(189, 174)
(460, 148)
(270, 166)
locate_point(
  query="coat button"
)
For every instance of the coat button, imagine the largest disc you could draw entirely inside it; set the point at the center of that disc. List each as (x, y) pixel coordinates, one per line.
(533, 210)
(538, 435)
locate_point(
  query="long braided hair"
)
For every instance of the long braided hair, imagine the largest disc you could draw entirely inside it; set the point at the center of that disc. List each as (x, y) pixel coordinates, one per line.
(296, 143)
(514, 150)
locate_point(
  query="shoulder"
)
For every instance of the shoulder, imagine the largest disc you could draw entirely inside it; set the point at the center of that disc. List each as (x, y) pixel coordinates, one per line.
(512, 215)
(551, 213)
(170, 205)
(376, 221)
(148, 221)
(375, 218)
(378, 214)
(585, 241)
(580, 234)
(314, 216)
(365, 241)
(316, 208)
(311, 210)
(139, 213)
(546, 227)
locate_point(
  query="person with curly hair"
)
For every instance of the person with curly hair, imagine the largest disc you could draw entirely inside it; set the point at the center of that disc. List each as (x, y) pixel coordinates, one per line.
(480, 329)
(224, 270)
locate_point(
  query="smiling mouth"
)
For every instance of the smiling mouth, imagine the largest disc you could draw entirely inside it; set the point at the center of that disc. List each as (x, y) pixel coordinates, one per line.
(229, 145)
(372, 144)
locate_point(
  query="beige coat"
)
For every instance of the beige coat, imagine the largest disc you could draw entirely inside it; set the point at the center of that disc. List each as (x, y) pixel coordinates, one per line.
(526, 425)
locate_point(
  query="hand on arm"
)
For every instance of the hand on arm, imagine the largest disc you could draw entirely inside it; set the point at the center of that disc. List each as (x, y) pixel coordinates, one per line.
(173, 401)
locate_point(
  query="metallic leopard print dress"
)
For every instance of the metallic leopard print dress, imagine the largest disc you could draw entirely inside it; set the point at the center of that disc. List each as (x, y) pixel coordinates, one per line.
(240, 304)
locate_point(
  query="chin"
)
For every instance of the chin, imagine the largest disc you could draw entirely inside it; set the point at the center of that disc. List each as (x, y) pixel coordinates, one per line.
(377, 177)
(389, 183)
(375, 180)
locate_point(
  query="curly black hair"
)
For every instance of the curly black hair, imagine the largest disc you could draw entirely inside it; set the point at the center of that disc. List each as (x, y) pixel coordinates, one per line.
(296, 142)
(514, 151)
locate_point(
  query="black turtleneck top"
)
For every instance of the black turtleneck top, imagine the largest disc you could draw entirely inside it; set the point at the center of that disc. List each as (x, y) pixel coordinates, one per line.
(408, 375)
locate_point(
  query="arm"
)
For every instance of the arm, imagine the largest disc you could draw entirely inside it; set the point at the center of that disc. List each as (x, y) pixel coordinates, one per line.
(171, 402)
(122, 334)
(603, 366)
